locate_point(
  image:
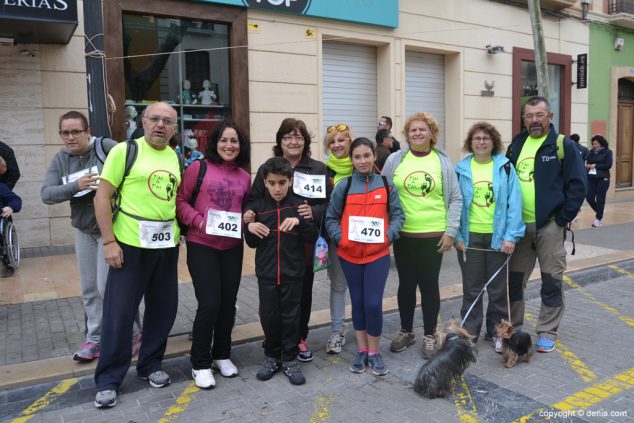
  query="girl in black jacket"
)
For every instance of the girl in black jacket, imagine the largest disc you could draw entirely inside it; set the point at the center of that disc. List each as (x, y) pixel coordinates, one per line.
(598, 164)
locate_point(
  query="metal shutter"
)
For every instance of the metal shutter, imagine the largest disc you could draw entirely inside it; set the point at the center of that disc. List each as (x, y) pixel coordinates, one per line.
(425, 87)
(349, 87)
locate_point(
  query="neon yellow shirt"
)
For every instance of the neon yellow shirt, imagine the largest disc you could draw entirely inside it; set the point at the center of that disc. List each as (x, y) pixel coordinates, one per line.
(525, 172)
(148, 192)
(483, 204)
(419, 184)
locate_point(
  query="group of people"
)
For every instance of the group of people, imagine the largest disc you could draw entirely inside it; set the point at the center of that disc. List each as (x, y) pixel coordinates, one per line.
(496, 209)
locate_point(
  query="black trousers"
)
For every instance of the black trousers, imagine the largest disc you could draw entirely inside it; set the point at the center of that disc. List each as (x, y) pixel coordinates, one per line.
(597, 189)
(216, 278)
(418, 265)
(279, 316)
(306, 305)
(476, 271)
(149, 274)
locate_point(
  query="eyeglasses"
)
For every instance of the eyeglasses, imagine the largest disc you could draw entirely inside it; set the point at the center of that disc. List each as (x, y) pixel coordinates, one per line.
(75, 133)
(289, 138)
(341, 127)
(381, 123)
(539, 116)
(478, 139)
(156, 119)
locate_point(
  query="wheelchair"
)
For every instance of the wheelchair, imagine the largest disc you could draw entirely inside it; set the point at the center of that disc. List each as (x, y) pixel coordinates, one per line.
(9, 247)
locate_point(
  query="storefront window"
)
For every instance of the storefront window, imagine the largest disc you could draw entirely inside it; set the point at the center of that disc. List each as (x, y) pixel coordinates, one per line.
(529, 88)
(525, 86)
(182, 62)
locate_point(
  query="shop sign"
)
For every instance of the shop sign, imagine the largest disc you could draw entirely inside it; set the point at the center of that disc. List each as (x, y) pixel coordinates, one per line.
(38, 21)
(47, 10)
(582, 71)
(371, 12)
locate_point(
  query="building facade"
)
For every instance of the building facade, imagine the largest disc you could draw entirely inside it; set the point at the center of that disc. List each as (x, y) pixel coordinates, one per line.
(259, 62)
(611, 88)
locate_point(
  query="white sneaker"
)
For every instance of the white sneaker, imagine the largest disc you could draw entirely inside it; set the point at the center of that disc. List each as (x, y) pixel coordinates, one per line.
(498, 344)
(226, 367)
(204, 378)
(596, 223)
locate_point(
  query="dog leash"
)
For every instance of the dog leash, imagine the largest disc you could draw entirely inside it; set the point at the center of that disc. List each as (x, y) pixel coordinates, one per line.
(487, 284)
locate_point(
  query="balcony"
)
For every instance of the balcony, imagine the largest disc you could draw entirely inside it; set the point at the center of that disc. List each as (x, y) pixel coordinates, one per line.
(621, 13)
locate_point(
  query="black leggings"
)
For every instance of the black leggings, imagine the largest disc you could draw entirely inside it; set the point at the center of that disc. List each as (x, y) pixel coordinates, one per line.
(216, 278)
(306, 304)
(418, 265)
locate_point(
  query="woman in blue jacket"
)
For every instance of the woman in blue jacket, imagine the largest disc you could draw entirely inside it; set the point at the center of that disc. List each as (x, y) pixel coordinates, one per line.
(490, 225)
(598, 165)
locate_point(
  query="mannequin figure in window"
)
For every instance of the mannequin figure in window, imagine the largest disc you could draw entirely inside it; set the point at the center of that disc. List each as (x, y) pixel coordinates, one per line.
(130, 119)
(187, 97)
(207, 96)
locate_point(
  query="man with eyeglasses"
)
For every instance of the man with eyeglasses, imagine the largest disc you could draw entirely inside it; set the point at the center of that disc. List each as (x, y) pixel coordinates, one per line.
(385, 122)
(553, 188)
(141, 246)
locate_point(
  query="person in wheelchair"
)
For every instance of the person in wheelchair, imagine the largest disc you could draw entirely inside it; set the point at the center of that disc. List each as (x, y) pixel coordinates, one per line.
(10, 203)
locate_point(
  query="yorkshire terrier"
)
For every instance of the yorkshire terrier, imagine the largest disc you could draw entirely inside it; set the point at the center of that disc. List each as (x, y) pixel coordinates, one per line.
(456, 352)
(515, 344)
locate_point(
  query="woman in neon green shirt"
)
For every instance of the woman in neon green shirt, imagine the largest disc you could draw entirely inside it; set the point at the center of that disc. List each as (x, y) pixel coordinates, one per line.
(428, 188)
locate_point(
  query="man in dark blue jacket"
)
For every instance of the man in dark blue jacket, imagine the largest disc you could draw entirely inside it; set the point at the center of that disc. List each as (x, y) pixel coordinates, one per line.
(553, 186)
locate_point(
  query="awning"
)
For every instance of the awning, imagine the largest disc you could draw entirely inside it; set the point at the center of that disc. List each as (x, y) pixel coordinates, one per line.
(38, 21)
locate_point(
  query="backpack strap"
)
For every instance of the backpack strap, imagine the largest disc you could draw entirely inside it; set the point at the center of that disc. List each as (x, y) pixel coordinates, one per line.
(100, 152)
(560, 147)
(131, 152)
(199, 181)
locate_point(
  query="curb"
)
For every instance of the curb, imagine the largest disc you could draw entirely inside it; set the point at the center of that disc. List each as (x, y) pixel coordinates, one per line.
(52, 369)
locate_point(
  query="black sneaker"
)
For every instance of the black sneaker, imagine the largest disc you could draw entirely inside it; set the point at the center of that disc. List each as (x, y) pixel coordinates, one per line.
(268, 369)
(294, 373)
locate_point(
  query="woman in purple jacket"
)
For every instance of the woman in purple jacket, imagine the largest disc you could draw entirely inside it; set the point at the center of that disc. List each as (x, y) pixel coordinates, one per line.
(214, 246)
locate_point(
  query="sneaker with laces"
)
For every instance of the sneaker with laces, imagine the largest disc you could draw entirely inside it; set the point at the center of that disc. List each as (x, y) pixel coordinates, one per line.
(403, 340)
(429, 346)
(294, 373)
(545, 344)
(360, 362)
(596, 223)
(335, 342)
(375, 361)
(88, 351)
(268, 369)
(136, 343)
(204, 378)
(305, 354)
(498, 344)
(106, 399)
(225, 367)
(157, 379)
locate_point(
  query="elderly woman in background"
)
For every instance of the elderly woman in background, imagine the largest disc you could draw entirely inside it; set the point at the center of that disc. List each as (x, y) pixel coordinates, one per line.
(490, 225)
(311, 184)
(428, 187)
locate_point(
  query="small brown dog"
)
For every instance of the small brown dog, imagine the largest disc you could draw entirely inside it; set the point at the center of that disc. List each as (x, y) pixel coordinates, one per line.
(516, 344)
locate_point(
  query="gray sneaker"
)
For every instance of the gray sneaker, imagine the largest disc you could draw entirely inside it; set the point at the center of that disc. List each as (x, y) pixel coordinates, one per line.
(429, 346)
(335, 342)
(294, 372)
(403, 340)
(106, 399)
(157, 379)
(359, 363)
(376, 364)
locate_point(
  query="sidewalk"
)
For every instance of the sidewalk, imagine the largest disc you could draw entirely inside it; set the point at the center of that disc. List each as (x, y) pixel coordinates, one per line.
(41, 316)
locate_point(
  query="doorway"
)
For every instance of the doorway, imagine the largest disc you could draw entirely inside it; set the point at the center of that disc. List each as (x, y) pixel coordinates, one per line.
(625, 134)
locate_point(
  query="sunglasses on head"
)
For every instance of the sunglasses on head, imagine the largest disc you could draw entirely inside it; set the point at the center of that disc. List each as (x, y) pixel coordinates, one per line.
(340, 128)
